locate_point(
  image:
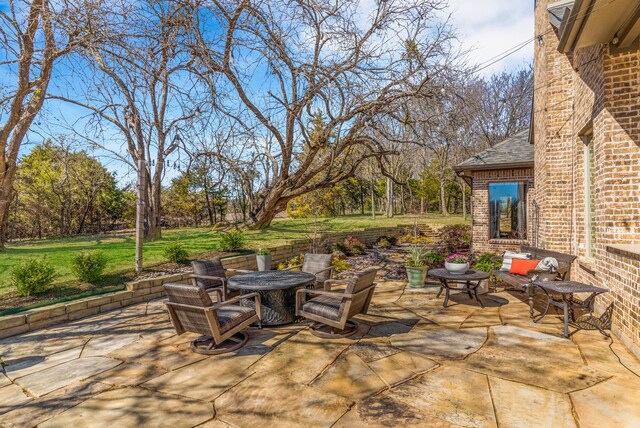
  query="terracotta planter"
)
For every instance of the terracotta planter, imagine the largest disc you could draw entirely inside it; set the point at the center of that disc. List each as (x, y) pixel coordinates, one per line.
(264, 262)
(416, 276)
(456, 268)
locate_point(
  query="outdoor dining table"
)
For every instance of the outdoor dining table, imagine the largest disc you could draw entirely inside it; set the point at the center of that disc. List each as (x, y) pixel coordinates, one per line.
(470, 281)
(566, 289)
(277, 290)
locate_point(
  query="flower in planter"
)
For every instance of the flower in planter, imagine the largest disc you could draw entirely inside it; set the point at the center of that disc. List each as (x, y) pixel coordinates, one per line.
(263, 252)
(457, 258)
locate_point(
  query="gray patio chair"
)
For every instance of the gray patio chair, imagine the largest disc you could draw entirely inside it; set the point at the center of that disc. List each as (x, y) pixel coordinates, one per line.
(317, 264)
(220, 324)
(332, 310)
(210, 274)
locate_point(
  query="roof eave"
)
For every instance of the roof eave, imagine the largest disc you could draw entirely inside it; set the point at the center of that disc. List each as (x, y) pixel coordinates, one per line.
(494, 167)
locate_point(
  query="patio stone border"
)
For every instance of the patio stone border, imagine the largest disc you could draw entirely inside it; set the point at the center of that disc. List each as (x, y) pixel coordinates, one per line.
(151, 288)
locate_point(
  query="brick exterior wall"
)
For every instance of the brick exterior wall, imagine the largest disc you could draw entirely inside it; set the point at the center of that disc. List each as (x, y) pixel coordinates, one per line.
(480, 242)
(598, 89)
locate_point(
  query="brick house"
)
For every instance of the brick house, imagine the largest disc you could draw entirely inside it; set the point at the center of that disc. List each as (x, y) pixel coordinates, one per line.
(502, 185)
(585, 133)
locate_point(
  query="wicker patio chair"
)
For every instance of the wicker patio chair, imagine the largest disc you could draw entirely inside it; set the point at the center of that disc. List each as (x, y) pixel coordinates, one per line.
(317, 264)
(220, 324)
(332, 310)
(210, 274)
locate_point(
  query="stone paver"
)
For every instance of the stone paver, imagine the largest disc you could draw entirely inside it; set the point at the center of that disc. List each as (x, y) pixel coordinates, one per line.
(444, 397)
(103, 345)
(152, 352)
(413, 363)
(276, 401)
(206, 379)
(133, 407)
(129, 374)
(52, 378)
(519, 405)
(614, 403)
(12, 396)
(44, 408)
(351, 378)
(534, 358)
(27, 365)
(4, 381)
(401, 366)
(446, 343)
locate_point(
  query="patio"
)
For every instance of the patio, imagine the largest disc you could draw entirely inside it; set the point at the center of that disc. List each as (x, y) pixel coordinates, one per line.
(413, 363)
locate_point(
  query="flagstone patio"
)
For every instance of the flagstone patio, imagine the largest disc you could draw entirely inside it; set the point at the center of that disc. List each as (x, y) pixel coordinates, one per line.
(412, 363)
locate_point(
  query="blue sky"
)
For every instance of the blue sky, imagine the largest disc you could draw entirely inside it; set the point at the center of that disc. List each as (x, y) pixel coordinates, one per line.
(486, 28)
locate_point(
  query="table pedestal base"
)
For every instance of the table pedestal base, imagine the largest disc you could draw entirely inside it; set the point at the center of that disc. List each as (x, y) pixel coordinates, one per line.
(278, 306)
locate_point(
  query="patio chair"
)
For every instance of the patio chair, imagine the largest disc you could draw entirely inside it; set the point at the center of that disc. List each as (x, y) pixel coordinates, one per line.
(220, 324)
(317, 264)
(332, 310)
(210, 274)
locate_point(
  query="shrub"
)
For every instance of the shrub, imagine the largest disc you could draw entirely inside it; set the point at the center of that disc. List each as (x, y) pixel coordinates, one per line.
(355, 246)
(340, 265)
(32, 276)
(386, 241)
(383, 242)
(232, 241)
(293, 261)
(455, 237)
(351, 246)
(487, 262)
(434, 259)
(88, 265)
(176, 253)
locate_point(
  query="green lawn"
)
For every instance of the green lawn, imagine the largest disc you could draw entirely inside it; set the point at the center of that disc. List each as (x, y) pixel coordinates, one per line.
(120, 250)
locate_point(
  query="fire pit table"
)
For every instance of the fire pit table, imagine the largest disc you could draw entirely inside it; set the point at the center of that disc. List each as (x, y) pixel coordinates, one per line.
(277, 290)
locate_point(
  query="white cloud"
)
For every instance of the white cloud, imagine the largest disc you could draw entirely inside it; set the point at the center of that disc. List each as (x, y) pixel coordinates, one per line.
(491, 27)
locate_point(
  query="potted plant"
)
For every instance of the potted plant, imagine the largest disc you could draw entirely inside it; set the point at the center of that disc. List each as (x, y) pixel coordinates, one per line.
(416, 268)
(263, 259)
(457, 263)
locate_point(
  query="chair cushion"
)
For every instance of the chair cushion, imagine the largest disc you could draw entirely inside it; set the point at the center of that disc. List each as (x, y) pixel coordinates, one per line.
(232, 315)
(521, 267)
(324, 306)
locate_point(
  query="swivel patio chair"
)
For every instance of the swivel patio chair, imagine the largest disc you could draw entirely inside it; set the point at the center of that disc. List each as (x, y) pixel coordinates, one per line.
(317, 264)
(332, 310)
(210, 274)
(220, 324)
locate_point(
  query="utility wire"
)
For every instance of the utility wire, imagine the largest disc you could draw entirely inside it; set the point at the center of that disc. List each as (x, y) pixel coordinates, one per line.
(499, 57)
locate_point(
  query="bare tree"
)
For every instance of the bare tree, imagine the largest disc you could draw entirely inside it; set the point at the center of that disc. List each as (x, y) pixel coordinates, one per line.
(333, 71)
(139, 86)
(33, 35)
(503, 105)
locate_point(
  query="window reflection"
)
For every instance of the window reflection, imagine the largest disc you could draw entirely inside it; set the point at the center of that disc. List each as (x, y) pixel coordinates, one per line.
(507, 210)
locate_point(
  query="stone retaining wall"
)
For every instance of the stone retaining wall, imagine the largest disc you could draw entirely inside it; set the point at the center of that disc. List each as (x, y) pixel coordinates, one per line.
(149, 289)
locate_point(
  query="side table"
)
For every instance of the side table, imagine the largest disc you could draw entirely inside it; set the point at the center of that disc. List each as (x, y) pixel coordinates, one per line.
(567, 302)
(470, 280)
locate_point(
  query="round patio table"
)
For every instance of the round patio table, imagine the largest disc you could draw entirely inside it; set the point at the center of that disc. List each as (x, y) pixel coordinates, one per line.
(277, 290)
(470, 280)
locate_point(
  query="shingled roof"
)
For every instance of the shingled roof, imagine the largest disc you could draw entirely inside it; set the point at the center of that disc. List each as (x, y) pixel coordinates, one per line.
(514, 152)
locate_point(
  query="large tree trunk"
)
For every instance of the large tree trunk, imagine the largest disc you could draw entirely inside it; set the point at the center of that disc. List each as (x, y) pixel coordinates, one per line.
(390, 198)
(443, 198)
